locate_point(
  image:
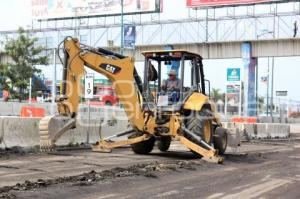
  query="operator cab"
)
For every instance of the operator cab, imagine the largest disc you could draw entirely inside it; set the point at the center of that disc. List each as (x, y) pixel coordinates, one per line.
(186, 66)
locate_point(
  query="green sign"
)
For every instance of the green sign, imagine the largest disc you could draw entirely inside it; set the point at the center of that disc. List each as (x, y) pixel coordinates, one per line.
(233, 74)
(102, 81)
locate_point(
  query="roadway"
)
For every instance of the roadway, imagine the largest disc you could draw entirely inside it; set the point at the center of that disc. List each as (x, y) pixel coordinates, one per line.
(255, 170)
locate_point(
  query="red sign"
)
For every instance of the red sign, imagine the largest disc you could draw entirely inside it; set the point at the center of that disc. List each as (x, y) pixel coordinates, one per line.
(198, 3)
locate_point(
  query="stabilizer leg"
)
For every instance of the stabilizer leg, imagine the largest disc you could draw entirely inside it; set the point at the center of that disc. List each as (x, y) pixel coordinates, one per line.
(210, 155)
(107, 146)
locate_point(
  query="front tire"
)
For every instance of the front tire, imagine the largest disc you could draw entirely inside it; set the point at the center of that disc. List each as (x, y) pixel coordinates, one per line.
(163, 144)
(143, 147)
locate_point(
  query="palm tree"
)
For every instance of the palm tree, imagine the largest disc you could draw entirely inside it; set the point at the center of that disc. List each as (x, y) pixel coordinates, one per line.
(217, 95)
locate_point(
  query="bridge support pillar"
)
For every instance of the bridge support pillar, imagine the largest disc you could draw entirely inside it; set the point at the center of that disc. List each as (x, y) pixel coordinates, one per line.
(249, 94)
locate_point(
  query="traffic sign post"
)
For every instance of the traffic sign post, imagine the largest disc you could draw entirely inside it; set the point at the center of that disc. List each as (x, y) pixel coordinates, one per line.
(88, 86)
(88, 94)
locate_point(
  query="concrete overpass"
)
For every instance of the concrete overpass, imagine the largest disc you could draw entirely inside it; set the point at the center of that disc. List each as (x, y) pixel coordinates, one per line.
(216, 50)
(230, 49)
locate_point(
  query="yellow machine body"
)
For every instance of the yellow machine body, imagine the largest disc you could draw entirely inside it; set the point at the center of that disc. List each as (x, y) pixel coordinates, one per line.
(120, 71)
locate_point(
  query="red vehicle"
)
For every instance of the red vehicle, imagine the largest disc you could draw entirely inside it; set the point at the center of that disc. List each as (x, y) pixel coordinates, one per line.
(105, 96)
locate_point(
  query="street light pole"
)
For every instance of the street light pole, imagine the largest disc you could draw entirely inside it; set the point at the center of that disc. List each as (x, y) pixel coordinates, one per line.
(30, 90)
(272, 87)
(54, 82)
(268, 80)
(122, 28)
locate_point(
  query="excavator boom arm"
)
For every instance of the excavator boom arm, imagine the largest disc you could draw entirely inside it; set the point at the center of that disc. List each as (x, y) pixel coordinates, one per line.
(118, 69)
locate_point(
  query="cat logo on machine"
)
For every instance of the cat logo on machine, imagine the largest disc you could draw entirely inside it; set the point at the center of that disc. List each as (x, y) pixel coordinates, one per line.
(110, 68)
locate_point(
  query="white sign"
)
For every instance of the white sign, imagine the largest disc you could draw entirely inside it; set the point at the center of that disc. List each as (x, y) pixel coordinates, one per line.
(281, 93)
(54, 9)
(88, 86)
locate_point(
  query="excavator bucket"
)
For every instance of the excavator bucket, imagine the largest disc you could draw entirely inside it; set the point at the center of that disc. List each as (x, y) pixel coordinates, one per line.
(51, 128)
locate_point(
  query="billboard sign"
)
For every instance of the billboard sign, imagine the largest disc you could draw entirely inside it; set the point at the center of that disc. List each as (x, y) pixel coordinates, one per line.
(55, 9)
(233, 98)
(281, 93)
(129, 36)
(215, 3)
(233, 74)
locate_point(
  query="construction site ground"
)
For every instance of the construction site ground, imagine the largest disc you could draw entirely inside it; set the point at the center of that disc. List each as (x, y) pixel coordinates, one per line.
(255, 170)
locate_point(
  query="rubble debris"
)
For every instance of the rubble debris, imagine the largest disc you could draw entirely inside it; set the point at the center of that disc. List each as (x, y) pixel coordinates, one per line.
(86, 179)
(7, 196)
(18, 151)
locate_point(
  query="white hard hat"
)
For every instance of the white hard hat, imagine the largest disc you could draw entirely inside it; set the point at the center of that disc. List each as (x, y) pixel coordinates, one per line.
(172, 72)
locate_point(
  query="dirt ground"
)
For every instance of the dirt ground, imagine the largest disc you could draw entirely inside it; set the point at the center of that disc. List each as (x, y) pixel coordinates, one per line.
(255, 170)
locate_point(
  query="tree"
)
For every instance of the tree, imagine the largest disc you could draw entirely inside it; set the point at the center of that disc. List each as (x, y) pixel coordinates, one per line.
(25, 55)
(217, 95)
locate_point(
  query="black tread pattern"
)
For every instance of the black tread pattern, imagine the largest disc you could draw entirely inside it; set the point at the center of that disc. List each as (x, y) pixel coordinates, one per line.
(164, 143)
(196, 125)
(143, 147)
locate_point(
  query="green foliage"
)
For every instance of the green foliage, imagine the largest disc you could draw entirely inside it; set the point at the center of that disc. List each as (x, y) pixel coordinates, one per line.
(217, 95)
(25, 55)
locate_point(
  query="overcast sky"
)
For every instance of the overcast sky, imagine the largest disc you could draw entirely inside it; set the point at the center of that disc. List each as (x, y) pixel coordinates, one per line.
(15, 13)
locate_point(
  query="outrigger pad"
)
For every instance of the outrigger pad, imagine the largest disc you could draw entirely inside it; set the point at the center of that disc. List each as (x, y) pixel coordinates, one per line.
(98, 147)
(216, 159)
(208, 155)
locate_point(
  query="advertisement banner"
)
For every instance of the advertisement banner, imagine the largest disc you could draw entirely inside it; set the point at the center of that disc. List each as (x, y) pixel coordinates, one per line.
(55, 9)
(233, 98)
(199, 3)
(129, 36)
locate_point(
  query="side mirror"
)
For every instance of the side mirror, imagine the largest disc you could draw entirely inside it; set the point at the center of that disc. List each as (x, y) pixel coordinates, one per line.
(207, 87)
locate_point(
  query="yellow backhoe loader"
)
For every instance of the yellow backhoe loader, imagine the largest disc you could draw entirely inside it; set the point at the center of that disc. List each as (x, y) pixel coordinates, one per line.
(191, 119)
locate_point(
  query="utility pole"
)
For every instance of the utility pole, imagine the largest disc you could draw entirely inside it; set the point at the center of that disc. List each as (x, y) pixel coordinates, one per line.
(54, 82)
(272, 87)
(256, 90)
(122, 28)
(30, 90)
(206, 26)
(268, 86)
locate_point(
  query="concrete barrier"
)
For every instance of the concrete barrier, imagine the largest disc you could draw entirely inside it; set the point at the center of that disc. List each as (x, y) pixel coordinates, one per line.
(14, 108)
(16, 131)
(234, 137)
(272, 131)
(261, 130)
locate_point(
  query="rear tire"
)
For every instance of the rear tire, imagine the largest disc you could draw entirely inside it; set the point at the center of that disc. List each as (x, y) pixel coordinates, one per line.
(200, 124)
(163, 144)
(143, 147)
(220, 140)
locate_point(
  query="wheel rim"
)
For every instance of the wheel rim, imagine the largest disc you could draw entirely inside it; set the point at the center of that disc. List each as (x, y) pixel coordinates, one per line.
(207, 131)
